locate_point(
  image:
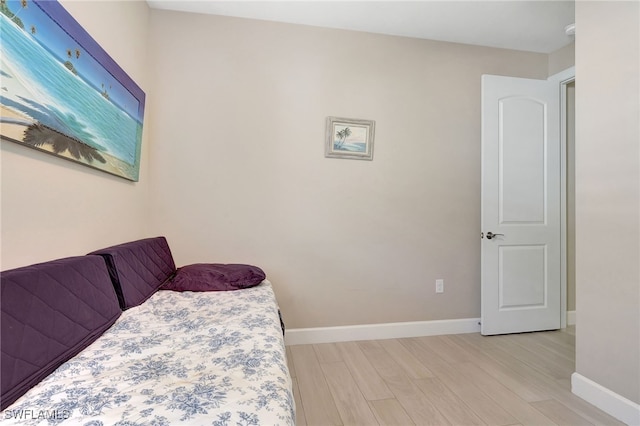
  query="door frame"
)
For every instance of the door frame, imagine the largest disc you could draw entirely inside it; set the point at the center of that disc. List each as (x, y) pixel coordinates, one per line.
(563, 78)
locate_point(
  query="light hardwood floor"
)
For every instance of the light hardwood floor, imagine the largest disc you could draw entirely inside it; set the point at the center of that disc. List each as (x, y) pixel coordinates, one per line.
(463, 379)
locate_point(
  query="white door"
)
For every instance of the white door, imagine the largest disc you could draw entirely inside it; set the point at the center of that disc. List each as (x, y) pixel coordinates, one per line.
(521, 204)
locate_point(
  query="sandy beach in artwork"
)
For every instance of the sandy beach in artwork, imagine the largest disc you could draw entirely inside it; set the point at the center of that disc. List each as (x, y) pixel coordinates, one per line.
(14, 124)
(15, 131)
(12, 130)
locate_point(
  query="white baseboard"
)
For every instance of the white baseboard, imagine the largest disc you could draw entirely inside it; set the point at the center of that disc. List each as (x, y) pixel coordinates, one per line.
(608, 401)
(305, 336)
(571, 317)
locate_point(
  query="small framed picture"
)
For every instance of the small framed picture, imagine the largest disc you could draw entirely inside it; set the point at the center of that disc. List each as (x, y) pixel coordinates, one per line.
(349, 138)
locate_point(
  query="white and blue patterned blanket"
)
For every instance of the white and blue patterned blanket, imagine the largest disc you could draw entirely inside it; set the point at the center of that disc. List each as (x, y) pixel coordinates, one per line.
(214, 358)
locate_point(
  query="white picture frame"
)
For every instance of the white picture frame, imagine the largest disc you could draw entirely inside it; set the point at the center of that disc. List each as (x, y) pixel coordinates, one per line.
(349, 138)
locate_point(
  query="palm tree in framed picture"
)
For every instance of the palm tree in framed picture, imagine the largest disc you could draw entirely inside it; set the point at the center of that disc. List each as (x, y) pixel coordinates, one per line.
(343, 135)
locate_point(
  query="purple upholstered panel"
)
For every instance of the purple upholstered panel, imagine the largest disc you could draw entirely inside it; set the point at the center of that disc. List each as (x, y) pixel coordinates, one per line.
(138, 268)
(49, 313)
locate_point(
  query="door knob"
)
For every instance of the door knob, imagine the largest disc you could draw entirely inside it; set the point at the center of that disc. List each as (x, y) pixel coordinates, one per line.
(491, 235)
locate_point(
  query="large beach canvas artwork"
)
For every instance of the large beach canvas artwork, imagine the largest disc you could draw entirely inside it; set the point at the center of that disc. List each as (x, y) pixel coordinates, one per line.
(61, 93)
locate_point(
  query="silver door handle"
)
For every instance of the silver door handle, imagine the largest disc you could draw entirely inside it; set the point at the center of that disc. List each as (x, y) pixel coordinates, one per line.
(491, 235)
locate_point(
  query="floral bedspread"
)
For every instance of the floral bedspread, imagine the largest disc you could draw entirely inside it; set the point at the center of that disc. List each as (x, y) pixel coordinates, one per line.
(214, 358)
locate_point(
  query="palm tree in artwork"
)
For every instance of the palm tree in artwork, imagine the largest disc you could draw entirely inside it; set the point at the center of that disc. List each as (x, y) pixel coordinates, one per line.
(23, 5)
(33, 30)
(38, 135)
(77, 53)
(339, 135)
(104, 92)
(68, 63)
(343, 134)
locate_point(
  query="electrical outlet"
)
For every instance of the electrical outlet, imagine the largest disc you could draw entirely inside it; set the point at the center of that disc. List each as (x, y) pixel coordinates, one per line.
(439, 286)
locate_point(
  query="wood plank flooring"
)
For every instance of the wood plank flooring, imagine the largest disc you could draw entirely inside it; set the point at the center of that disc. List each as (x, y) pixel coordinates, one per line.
(464, 379)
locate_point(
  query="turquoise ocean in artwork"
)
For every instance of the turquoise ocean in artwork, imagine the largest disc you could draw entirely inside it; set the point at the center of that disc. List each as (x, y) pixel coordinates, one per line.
(54, 96)
(349, 146)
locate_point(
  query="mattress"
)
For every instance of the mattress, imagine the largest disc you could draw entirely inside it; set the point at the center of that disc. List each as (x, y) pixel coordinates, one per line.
(214, 358)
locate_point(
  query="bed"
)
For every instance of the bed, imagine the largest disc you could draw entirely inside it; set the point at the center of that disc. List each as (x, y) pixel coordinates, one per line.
(168, 358)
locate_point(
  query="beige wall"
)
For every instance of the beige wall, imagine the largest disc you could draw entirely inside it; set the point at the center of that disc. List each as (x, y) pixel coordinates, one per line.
(239, 173)
(53, 208)
(562, 59)
(608, 195)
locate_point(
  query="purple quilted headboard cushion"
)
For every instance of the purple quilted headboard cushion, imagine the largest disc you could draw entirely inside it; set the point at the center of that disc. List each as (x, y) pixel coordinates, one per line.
(49, 313)
(138, 269)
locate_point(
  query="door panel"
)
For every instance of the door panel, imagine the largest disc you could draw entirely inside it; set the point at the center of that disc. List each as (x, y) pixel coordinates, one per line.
(520, 203)
(521, 276)
(522, 142)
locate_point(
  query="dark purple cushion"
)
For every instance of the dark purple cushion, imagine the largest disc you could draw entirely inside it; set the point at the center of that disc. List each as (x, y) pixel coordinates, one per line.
(138, 268)
(50, 312)
(215, 277)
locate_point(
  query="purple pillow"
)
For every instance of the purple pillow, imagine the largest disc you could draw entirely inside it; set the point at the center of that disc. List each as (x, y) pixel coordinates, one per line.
(215, 277)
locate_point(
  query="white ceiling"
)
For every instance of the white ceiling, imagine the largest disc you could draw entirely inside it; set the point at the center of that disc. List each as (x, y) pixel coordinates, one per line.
(536, 26)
